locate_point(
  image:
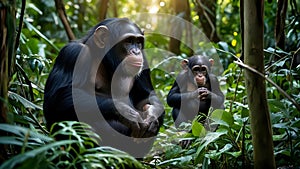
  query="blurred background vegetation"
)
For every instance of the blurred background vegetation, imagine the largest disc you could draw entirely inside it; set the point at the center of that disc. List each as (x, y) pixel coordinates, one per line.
(25, 142)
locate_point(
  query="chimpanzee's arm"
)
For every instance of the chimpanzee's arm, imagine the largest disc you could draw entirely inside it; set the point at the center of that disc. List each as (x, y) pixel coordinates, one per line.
(143, 92)
(141, 89)
(107, 107)
(217, 96)
(113, 111)
(145, 100)
(175, 96)
(59, 107)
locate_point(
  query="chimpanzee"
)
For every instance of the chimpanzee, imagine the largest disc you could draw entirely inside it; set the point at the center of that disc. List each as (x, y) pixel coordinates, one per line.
(106, 68)
(195, 90)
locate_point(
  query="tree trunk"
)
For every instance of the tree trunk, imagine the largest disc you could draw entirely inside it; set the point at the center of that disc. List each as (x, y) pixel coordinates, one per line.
(7, 37)
(280, 23)
(103, 5)
(180, 7)
(63, 17)
(256, 87)
(82, 13)
(7, 42)
(114, 4)
(206, 11)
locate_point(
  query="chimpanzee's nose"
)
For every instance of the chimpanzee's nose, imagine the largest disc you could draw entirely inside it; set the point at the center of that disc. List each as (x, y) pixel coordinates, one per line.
(136, 51)
(199, 74)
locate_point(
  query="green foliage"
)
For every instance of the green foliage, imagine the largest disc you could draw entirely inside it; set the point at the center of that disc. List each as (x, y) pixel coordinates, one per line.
(80, 150)
(229, 146)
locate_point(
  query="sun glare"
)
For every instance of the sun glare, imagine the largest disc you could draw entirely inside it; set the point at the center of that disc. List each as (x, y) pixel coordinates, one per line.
(125, 9)
(162, 4)
(153, 9)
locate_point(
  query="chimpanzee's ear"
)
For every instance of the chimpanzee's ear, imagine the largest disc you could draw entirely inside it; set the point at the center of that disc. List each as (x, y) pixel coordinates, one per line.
(143, 31)
(101, 36)
(211, 62)
(184, 64)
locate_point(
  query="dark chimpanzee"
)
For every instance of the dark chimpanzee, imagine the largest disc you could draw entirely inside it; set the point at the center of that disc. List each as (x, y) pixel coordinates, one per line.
(106, 68)
(195, 90)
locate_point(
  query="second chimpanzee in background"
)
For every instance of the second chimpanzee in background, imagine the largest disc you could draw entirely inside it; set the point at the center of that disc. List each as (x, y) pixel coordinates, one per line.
(195, 90)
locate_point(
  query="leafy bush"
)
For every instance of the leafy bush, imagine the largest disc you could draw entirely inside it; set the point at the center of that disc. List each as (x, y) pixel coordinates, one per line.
(230, 146)
(80, 150)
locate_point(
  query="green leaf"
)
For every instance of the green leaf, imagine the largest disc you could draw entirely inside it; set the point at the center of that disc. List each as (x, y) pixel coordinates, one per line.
(177, 161)
(223, 45)
(284, 152)
(22, 158)
(276, 105)
(281, 125)
(198, 129)
(235, 154)
(296, 123)
(22, 131)
(31, 27)
(225, 148)
(215, 155)
(279, 137)
(209, 138)
(11, 141)
(222, 117)
(272, 50)
(32, 6)
(26, 103)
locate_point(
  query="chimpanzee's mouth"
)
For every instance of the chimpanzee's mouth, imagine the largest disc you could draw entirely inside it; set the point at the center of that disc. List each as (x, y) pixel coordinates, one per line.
(135, 61)
(137, 64)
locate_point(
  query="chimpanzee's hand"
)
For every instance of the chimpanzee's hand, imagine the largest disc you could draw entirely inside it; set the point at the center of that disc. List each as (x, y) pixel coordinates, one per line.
(132, 119)
(150, 118)
(204, 93)
(195, 94)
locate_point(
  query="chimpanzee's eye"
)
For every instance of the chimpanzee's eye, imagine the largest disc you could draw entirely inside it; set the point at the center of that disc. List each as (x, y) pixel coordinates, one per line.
(140, 42)
(203, 69)
(137, 41)
(199, 70)
(129, 40)
(196, 69)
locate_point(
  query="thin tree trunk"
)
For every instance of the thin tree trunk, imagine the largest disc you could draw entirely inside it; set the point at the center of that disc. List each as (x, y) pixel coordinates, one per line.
(242, 28)
(3, 65)
(280, 23)
(63, 17)
(7, 45)
(115, 8)
(81, 22)
(7, 53)
(180, 7)
(206, 11)
(103, 5)
(256, 87)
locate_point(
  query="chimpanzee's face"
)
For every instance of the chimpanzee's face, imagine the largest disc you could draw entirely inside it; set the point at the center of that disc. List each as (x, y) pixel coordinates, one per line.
(200, 74)
(132, 60)
(199, 67)
(126, 41)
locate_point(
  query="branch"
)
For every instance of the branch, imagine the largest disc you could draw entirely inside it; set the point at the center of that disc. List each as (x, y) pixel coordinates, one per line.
(270, 81)
(208, 19)
(20, 24)
(28, 82)
(37, 122)
(63, 17)
(224, 51)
